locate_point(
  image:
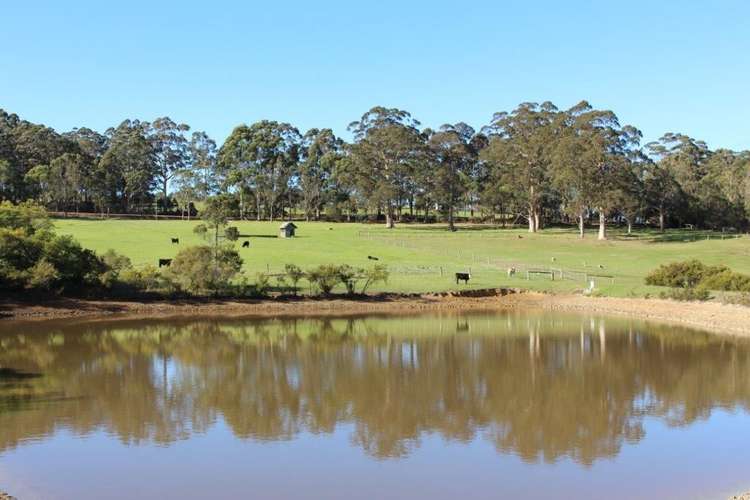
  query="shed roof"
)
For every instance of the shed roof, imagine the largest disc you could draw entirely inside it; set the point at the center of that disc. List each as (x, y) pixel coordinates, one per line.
(288, 224)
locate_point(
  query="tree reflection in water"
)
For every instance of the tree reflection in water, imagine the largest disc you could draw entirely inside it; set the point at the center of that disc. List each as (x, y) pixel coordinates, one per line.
(537, 385)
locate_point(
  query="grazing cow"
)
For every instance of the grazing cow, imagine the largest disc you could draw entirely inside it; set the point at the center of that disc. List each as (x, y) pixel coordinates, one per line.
(370, 257)
(520, 237)
(601, 266)
(245, 244)
(465, 277)
(165, 262)
(175, 241)
(511, 272)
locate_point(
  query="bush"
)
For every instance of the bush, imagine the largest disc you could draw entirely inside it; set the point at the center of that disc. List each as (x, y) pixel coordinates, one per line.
(202, 269)
(348, 276)
(77, 267)
(43, 275)
(378, 272)
(147, 278)
(262, 284)
(324, 277)
(695, 274)
(295, 274)
(114, 264)
(687, 294)
(232, 233)
(727, 281)
(28, 216)
(685, 274)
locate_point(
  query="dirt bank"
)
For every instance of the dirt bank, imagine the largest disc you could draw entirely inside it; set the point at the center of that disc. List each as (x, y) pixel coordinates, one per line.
(720, 318)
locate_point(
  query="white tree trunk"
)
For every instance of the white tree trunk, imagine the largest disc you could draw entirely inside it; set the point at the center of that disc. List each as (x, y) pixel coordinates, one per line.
(602, 225)
(389, 217)
(580, 225)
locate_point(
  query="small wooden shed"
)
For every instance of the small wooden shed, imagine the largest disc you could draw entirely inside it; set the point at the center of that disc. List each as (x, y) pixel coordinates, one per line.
(287, 229)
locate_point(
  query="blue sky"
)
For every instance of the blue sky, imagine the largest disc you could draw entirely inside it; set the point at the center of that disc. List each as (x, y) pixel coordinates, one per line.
(681, 66)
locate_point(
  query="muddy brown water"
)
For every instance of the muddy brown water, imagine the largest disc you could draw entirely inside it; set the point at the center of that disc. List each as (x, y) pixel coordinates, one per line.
(439, 406)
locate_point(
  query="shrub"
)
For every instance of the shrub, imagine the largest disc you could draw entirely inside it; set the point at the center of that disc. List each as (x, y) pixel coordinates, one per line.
(348, 276)
(43, 275)
(28, 216)
(76, 266)
(727, 281)
(262, 284)
(147, 278)
(685, 274)
(114, 264)
(295, 274)
(324, 277)
(201, 269)
(686, 294)
(695, 274)
(378, 272)
(232, 233)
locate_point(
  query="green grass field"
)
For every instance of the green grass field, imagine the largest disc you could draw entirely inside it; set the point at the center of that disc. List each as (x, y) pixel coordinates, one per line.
(423, 258)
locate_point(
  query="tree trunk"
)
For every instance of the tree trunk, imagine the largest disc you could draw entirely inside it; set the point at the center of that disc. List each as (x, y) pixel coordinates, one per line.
(532, 221)
(389, 217)
(580, 225)
(661, 220)
(602, 225)
(537, 221)
(630, 226)
(451, 225)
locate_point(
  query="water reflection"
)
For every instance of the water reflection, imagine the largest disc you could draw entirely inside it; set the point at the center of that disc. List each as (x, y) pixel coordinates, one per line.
(538, 386)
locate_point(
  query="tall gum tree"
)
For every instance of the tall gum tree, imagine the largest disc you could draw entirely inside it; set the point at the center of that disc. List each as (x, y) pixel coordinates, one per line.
(387, 146)
(262, 157)
(454, 153)
(171, 150)
(520, 146)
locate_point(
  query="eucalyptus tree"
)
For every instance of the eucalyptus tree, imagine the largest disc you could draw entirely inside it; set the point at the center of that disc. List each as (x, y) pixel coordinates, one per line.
(61, 182)
(261, 157)
(170, 150)
(387, 146)
(203, 164)
(198, 178)
(520, 147)
(686, 159)
(592, 161)
(91, 146)
(725, 188)
(126, 172)
(321, 150)
(452, 149)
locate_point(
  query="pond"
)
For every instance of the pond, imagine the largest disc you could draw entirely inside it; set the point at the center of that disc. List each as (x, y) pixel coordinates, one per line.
(482, 405)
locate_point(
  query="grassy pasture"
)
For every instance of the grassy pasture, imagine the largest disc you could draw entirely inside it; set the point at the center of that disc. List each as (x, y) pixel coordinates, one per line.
(415, 254)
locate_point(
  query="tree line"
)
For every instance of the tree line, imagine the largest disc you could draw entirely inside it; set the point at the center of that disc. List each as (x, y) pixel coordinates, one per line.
(537, 165)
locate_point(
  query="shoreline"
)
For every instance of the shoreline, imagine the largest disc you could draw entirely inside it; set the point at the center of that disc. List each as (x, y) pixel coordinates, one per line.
(708, 316)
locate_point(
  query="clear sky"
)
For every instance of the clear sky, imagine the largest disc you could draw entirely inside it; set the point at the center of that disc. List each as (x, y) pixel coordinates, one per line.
(661, 65)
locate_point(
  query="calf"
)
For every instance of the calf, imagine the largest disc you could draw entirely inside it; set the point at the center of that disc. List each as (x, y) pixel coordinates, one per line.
(165, 262)
(175, 241)
(370, 257)
(511, 272)
(465, 277)
(245, 244)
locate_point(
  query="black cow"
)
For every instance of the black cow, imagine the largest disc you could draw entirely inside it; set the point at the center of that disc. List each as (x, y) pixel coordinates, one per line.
(245, 244)
(165, 262)
(175, 241)
(465, 277)
(370, 257)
